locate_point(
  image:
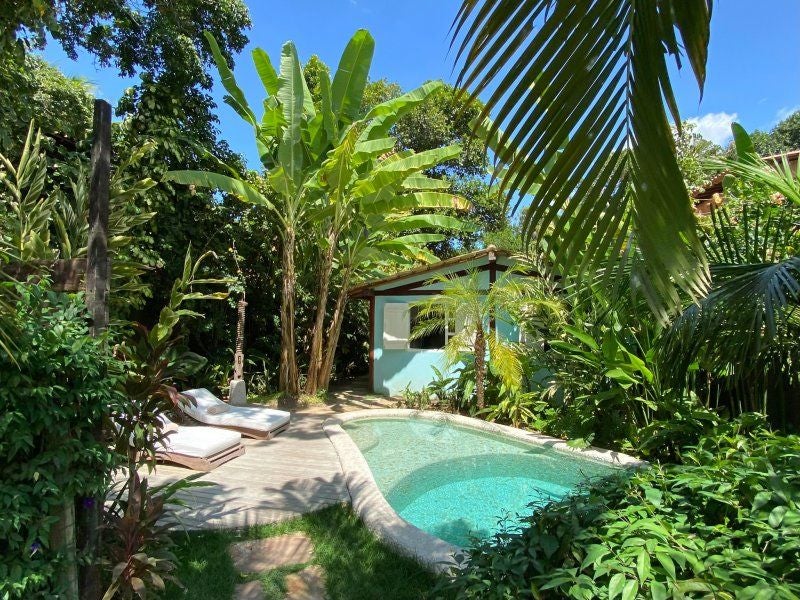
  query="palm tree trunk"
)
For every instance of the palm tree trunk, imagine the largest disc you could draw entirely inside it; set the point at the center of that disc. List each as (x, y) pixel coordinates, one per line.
(480, 365)
(334, 330)
(288, 378)
(316, 358)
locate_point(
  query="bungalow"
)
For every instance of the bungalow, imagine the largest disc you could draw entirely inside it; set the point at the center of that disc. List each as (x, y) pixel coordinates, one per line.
(396, 362)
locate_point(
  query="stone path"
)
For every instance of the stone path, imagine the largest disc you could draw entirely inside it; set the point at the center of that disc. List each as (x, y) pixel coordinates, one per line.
(254, 557)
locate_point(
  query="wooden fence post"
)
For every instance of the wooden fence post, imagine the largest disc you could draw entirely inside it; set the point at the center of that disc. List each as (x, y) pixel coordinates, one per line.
(97, 290)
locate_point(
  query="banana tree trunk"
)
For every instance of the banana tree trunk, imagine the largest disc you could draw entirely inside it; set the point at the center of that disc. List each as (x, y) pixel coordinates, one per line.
(334, 330)
(315, 364)
(288, 377)
(480, 365)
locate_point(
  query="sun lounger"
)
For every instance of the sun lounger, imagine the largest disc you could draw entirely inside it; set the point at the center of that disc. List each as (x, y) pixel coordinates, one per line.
(199, 448)
(252, 421)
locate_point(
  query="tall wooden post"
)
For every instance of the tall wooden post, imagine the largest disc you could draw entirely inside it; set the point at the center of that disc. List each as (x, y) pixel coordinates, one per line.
(98, 268)
(97, 290)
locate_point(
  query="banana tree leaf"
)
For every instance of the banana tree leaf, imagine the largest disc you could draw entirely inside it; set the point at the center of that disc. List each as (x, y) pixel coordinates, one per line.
(426, 220)
(373, 148)
(291, 98)
(215, 181)
(351, 77)
(394, 172)
(382, 203)
(421, 182)
(383, 116)
(266, 72)
(328, 118)
(235, 98)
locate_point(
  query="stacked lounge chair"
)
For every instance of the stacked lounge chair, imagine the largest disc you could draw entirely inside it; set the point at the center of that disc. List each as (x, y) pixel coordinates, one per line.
(199, 448)
(251, 421)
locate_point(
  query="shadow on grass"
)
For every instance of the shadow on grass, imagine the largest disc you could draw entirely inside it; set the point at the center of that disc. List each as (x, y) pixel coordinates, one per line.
(357, 565)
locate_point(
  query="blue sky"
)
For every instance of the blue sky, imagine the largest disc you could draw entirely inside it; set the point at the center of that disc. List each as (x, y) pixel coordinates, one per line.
(753, 71)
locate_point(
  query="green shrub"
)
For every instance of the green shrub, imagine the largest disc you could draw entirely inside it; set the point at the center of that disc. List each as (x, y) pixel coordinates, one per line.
(724, 524)
(52, 395)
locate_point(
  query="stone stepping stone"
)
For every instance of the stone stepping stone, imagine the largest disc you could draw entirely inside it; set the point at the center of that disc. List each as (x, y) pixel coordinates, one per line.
(252, 590)
(257, 556)
(308, 584)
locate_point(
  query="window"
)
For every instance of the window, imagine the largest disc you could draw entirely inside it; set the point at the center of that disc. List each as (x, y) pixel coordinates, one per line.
(433, 341)
(395, 326)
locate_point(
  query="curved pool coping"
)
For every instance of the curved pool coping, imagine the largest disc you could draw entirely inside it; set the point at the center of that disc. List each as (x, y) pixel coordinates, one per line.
(376, 512)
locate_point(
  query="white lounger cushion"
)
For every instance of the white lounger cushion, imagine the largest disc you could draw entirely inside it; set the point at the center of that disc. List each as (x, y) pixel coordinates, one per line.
(250, 417)
(199, 442)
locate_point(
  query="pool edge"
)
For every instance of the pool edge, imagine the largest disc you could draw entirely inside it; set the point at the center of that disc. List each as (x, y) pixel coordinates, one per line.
(376, 512)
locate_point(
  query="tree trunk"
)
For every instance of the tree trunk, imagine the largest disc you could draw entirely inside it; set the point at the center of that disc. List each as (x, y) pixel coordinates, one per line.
(315, 354)
(288, 379)
(334, 330)
(480, 366)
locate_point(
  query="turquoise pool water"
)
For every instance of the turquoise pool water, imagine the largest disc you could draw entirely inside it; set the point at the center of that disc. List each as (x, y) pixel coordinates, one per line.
(458, 483)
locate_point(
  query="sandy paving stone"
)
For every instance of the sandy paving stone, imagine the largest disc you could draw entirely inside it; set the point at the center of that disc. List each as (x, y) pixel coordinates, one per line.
(308, 584)
(252, 590)
(257, 556)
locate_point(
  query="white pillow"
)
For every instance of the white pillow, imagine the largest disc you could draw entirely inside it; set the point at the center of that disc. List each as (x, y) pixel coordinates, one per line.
(217, 409)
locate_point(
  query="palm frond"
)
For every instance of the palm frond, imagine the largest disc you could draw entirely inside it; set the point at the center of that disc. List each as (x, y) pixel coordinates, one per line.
(594, 74)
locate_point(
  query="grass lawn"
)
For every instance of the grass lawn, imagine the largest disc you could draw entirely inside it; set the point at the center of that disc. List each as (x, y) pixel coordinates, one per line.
(356, 563)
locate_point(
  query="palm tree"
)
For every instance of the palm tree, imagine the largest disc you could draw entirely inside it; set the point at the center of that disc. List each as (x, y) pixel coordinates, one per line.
(593, 73)
(469, 306)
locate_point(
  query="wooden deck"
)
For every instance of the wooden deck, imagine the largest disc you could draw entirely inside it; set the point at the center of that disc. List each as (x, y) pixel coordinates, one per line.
(296, 472)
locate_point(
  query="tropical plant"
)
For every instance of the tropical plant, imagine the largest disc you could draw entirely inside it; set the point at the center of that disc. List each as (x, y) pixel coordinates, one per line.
(598, 73)
(139, 526)
(322, 167)
(34, 206)
(153, 362)
(745, 330)
(381, 222)
(605, 380)
(28, 208)
(58, 386)
(71, 218)
(471, 308)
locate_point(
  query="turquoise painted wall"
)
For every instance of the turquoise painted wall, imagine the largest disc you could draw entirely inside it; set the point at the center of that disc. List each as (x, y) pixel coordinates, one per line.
(394, 371)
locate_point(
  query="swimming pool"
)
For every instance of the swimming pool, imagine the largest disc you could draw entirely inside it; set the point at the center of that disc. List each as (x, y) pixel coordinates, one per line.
(429, 483)
(458, 483)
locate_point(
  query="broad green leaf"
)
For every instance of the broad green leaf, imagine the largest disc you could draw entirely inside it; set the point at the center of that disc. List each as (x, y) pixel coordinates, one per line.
(230, 185)
(776, 516)
(421, 182)
(582, 336)
(351, 77)
(422, 221)
(396, 171)
(291, 98)
(235, 98)
(266, 72)
(615, 585)
(328, 118)
(413, 201)
(383, 116)
(745, 149)
(374, 148)
(630, 590)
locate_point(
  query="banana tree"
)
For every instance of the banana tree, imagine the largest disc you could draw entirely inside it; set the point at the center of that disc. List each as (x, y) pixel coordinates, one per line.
(292, 141)
(383, 212)
(313, 157)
